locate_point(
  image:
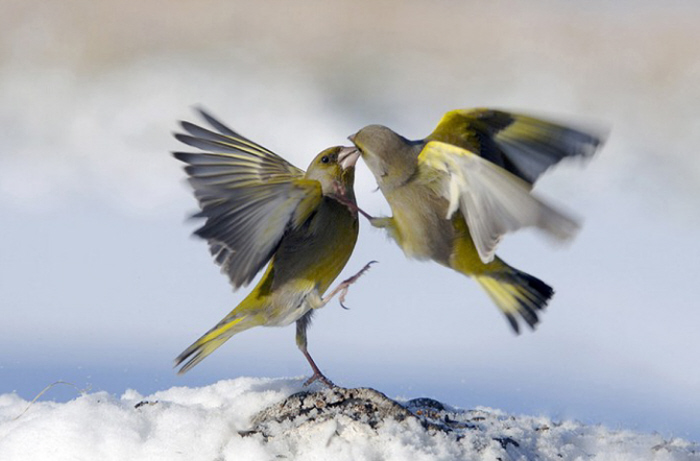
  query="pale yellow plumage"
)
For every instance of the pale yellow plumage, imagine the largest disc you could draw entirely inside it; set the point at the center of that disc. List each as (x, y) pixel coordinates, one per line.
(456, 193)
(259, 210)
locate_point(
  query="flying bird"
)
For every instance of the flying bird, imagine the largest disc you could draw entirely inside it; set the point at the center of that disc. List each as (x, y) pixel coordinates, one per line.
(456, 193)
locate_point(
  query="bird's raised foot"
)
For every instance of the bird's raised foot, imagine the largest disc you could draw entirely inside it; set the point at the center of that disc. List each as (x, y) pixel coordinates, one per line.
(342, 288)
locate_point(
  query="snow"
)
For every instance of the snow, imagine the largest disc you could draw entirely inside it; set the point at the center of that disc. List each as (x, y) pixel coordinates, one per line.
(256, 419)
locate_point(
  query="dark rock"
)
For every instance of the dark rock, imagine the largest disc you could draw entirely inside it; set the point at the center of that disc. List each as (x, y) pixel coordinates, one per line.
(363, 405)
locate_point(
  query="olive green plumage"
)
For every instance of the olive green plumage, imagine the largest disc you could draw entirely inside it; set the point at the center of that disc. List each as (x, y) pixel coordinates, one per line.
(454, 194)
(259, 209)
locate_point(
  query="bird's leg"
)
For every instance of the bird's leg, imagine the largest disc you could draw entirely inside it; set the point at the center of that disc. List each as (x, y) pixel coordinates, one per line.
(352, 206)
(342, 288)
(357, 209)
(317, 376)
(302, 325)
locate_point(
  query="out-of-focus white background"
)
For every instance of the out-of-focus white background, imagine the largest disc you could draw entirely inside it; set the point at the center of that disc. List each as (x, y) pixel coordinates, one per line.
(101, 285)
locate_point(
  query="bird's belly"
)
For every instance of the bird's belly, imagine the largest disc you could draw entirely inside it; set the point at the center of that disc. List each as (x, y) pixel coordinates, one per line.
(289, 304)
(415, 239)
(421, 228)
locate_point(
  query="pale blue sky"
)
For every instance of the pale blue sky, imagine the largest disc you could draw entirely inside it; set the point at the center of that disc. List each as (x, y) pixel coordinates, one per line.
(100, 283)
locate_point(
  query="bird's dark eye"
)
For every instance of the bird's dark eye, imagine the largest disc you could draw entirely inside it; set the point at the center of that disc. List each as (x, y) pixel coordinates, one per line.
(325, 159)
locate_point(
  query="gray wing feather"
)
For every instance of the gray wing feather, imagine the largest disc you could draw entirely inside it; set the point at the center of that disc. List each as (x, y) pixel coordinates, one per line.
(247, 195)
(533, 146)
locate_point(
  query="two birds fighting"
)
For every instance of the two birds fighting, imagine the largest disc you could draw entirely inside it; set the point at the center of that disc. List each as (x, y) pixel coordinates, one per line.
(453, 196)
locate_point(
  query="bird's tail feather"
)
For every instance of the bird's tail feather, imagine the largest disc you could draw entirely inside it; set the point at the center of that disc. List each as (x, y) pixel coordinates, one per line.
(517, 294)
(211, 340)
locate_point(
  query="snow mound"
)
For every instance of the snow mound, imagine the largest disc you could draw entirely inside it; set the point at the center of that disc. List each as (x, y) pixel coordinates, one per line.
(269, 419)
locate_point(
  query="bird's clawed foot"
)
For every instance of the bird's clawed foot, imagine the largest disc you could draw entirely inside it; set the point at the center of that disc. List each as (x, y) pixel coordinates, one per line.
(318, 376)
(347, 282)
(342, 288)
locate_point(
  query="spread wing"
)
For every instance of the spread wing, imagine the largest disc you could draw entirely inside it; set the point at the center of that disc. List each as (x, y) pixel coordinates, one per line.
(248, 195)
(492, 200)
(523, 145)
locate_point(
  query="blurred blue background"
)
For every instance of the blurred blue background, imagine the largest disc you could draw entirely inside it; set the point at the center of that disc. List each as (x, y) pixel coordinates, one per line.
(101, 285)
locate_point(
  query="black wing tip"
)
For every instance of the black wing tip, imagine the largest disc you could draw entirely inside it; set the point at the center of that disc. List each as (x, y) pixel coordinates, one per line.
(201, 143)
(189, 126)
(176, 134)
(183, 156)
(513, 322)
(213, 122)
(185, 138)
(216, 123)
(201, 111)
(587, 139)
(599, 136)
(204, 113)
(588, 130)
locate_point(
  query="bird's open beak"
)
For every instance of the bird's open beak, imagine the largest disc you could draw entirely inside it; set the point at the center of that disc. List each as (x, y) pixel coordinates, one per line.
(347, 157)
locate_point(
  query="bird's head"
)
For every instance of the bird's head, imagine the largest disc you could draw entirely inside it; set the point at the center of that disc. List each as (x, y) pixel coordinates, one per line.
(334, 168)
(390, 157)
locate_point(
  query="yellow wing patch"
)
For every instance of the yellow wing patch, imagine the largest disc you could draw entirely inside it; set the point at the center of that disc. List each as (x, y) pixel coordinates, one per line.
(493, 201)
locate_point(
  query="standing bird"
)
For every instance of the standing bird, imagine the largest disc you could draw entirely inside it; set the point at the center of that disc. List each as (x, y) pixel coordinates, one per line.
(259, 208)
(454, 194)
